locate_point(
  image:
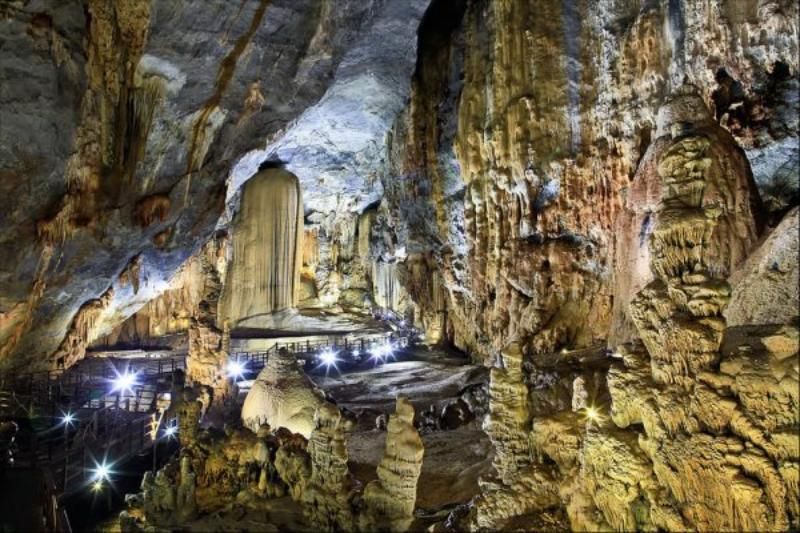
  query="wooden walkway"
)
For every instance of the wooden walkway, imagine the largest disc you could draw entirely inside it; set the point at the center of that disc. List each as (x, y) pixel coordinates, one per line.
(114, 426)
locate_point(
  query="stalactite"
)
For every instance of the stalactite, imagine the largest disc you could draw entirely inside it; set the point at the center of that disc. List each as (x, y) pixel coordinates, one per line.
(145, 97)
(173, 310)
(131, 274)
(81, 331)
(365, 222)
(117, 36)
(151, 209)
(264, 274)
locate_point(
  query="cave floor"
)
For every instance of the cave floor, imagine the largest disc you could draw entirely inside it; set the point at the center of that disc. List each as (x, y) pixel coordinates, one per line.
(454, 459)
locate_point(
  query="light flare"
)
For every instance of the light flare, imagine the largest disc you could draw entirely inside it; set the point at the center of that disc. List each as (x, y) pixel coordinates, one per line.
(125, 382)
(236, 369)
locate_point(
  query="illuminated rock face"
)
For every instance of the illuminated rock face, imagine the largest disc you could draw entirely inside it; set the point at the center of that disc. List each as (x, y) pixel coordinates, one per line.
(703, 226)
(264, 274)
(765, 288)
(130, 117)
(173, 311)
(282, 396)
(553, 183)
(692, 215)
(515, 160)
(701, 428)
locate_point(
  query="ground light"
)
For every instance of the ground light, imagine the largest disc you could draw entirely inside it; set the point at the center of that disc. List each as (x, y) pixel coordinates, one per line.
(382, 352)
(236, 369)
(170, 431)
(328, 358)
(102, 472)
(592, 414)
(67, 419)
(124, 383)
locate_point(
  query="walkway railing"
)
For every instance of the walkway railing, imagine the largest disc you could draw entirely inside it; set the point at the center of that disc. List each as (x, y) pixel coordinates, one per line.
(117, 424)
(256, 360)
(45, 391)
(106, 434)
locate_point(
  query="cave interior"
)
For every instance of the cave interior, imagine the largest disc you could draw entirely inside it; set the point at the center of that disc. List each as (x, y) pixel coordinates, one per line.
(399, 265)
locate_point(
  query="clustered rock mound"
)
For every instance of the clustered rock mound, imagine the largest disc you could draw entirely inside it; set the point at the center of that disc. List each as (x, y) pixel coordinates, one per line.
(221, 472)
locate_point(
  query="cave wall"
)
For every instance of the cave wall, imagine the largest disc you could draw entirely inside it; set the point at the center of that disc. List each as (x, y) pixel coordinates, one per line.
(591, 181)
(518, 148)
(129, 126)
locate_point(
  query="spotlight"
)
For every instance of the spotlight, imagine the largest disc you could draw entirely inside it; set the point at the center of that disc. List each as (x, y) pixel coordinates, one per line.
(328, 357)
(236, 369)
(102, 472)
(124, 382)
(592, 414)
(382, 352)
(67, 419)
(97, 486)
(170, 431)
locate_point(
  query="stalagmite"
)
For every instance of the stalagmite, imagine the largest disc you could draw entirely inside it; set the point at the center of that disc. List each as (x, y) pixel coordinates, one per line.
(521, 485)
(264, 274)
(281, 396)
(390, 499)
(694, 194)
(330, 489)
(209, 344)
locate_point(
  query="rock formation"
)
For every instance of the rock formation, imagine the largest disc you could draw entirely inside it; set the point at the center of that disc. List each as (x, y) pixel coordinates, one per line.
(389, 500)
(171, 313)
(692, 210)
(511, 179)
(282, 396)
(328, 493)
(764, 287)
(522, 485)
(685, 444)
(264, 274)
(121, 138)
(596, 199)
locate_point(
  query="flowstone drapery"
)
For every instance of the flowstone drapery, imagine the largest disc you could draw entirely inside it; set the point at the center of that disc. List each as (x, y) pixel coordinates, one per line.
(264, 274)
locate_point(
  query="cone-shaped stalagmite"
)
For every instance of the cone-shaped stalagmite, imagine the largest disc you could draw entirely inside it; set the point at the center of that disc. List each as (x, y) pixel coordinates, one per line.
(267, 245)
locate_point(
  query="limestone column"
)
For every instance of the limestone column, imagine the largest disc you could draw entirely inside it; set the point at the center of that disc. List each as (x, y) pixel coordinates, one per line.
(264, 274)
